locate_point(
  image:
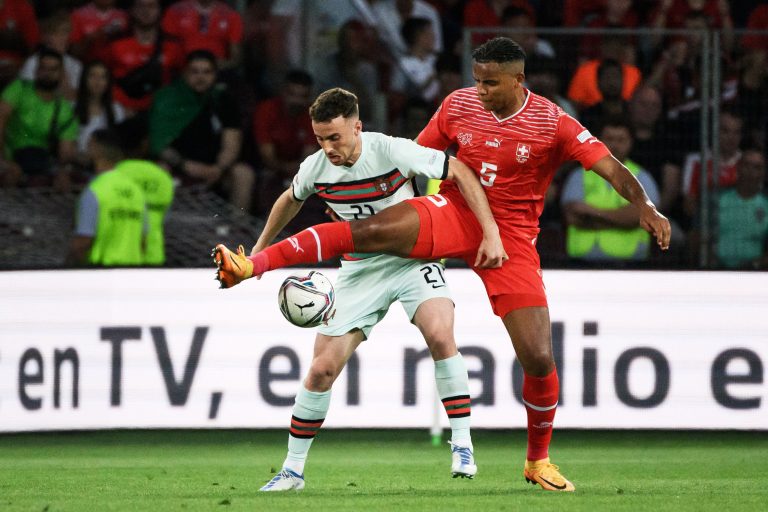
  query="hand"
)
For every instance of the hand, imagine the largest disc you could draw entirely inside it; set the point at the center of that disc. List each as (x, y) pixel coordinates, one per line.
(332, 214)
(657, 225)
(491, 253)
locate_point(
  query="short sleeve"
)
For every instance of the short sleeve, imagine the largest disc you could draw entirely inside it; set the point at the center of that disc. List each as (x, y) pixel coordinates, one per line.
(577, 143)
(87, 214)
(415, 160)
(303, 186)
(435, 134)
(235, 34)
(13, 93)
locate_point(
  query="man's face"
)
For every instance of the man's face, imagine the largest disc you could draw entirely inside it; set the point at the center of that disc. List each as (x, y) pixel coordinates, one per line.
(49, 72)
(751, 171)
(338, 138)
(730, 134)
(297, 97)
(610, 82)
(146, 13)
(200, 75)
(497, 83)
(645, 107)
(618, 140)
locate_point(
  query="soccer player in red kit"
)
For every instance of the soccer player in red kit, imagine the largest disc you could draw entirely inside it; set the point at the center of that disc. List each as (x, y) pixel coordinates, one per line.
(514, 140)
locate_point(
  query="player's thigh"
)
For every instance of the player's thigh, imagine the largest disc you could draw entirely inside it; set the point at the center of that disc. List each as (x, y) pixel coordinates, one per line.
(363, 296)
(393, 230)
(447, 228)
(333, 352)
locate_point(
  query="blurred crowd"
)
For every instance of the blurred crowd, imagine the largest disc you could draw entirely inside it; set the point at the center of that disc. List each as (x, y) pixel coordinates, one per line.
(214, 94)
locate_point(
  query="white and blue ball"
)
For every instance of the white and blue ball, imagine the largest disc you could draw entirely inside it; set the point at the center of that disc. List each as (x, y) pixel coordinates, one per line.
(307, 301)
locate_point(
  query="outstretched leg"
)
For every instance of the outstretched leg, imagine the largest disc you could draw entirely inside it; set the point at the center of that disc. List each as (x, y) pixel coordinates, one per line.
(311, 406)
(394, 231)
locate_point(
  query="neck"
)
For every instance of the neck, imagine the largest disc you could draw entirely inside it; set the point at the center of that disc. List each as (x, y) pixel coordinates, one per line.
(745, 191)
(356, 153)
(514, 106)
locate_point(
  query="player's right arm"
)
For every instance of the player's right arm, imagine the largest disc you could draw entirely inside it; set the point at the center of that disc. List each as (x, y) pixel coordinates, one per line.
(283, 211)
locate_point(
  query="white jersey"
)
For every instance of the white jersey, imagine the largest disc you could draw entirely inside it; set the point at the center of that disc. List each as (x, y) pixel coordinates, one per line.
(381, 176)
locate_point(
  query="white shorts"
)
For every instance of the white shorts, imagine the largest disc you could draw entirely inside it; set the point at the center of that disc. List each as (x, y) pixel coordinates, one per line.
(366, 288)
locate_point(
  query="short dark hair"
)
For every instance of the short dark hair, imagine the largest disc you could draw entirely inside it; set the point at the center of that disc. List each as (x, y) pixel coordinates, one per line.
(500, 50)
(332, 104)
(299, 77)
(201, 55)
(109, 144)
(411, 29)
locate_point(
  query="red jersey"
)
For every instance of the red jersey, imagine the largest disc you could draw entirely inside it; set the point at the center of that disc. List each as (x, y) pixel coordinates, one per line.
(272, 124)
(88, 19)
(515, 157)
(213, 28)
(18, 17)
(128, 53)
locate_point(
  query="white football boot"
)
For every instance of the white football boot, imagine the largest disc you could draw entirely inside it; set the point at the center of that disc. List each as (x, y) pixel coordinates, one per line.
(285, 480)
(462, 462)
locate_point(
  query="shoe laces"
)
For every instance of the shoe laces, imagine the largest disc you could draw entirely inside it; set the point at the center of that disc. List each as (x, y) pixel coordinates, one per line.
(465, 454)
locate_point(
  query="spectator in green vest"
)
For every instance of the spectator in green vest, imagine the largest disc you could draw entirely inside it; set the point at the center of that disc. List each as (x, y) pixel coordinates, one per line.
(111, 214)
(602, 225)
(155, 181)
(742, 240)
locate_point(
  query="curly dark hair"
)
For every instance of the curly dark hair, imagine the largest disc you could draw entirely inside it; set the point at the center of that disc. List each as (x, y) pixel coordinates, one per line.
(500, 50)
(332, 104)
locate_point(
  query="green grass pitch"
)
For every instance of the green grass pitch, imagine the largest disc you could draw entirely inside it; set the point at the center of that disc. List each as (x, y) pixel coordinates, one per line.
(379, 470)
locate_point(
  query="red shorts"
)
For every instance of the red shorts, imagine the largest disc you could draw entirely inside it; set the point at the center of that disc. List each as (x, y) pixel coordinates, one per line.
(449, 229)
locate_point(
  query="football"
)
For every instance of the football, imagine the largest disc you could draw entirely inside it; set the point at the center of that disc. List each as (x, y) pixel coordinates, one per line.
(306, 301)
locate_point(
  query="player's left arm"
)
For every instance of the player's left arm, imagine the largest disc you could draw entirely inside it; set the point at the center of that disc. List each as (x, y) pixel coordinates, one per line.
(628, 186)
(491, 253)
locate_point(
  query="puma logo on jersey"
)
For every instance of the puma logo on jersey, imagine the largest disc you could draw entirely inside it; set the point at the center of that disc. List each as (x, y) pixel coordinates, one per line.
(295, 244)
(495, 143)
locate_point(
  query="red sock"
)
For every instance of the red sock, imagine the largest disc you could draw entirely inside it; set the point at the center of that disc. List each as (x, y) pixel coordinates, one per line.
(314, 244)
(540, 398)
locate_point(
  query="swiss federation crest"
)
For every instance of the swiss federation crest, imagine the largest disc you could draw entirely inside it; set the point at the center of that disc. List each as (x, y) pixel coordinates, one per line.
(523, 152)
(464, 138)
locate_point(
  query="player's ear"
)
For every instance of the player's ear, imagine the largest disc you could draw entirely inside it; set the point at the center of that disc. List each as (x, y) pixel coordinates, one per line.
(358, 126)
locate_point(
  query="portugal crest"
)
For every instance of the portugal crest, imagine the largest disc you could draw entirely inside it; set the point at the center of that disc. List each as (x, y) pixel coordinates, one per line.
(523, 152)
(382, 184)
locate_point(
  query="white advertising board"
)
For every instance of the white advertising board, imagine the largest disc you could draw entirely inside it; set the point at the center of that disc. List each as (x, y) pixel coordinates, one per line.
(166, 348)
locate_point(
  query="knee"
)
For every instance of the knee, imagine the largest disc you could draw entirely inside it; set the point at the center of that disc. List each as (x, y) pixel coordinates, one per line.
(538, 362)
(441, 343)
(321, 376)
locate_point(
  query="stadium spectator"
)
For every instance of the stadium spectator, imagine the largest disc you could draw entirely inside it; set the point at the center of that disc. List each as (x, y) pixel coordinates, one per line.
(155, 182)
(94, 26)
(38, 128)
(601, 224)
(19, 35)
(56, 30)
(111, 213)
(489, 13)
(515, 17)
(195, 130)
(674, 13)
(352, 68)
(758, 20)
(578, 13)
(415, 75)
(207, 25)
(448, 68)
(729, 138)
(677, 71)
(94, 107)
(543, 76)
(750, 95)
(145, 60)
(610, 82)
(583, 89)
(651, 147)
(282, 131)
(614, 14)
(392, 14)
(742, 212)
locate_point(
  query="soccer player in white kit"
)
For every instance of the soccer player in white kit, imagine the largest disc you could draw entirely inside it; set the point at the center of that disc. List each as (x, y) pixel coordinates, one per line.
(358, 174)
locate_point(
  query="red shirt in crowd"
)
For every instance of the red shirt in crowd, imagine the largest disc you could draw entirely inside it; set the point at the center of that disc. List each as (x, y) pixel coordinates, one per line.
(515, 157)
(758, 20)
(272, 124)
(19, 17)
(213, 28)
(128, 53)
(478, 13)
(88, 20)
